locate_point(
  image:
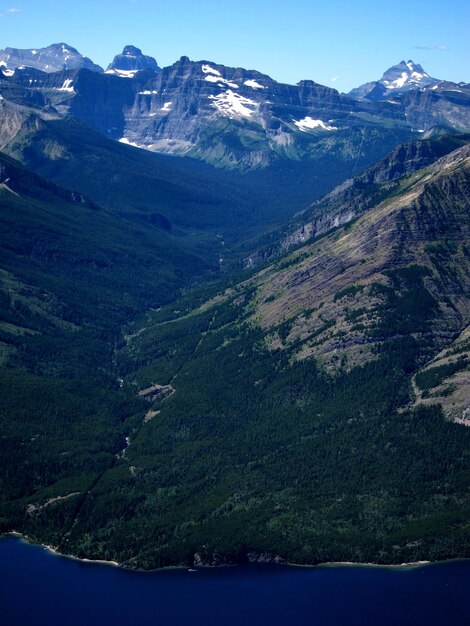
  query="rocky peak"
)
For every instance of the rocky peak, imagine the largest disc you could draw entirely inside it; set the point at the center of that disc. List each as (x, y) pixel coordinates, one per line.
(402, 77)
(131, 59)
(406, 75)
(132, 51)
(54, 58)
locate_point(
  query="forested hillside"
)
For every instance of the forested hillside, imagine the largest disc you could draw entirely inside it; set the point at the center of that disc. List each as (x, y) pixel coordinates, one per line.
(274, 417)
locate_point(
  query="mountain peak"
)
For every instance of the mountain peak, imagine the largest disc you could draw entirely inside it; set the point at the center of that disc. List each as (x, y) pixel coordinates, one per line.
(132, 51)
(406, 70)
(404, 76)
(64, 47)
(54, 58)
(131, 59)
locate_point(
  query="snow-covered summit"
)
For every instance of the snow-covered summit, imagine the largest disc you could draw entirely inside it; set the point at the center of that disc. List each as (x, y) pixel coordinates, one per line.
(405, 76)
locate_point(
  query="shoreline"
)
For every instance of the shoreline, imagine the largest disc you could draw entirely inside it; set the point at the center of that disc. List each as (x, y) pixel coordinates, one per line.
(55, 552)
(327, 564)
(408, 565)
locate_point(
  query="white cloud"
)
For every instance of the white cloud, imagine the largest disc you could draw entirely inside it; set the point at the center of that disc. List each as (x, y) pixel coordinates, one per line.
(10, 11)
(333, 79)
(433, 47)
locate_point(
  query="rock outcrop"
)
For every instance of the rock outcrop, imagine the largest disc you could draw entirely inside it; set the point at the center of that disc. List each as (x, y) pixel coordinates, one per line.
(131, 59)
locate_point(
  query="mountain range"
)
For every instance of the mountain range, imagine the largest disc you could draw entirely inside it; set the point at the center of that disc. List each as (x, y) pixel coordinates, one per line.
(234, 319)
(232, 117)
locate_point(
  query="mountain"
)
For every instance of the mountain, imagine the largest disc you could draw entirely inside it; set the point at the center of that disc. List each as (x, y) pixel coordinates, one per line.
(54, 58)
(314, 451)
(238, 118)
(87, 257)
(354, 196)
(400, 78)
(72, 275)
(208, 203)
(427, 102)
(228, 116)
(131, 60)
(162, 405)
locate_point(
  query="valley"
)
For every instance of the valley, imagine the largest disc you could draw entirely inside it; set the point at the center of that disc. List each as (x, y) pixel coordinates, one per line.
(235, 313)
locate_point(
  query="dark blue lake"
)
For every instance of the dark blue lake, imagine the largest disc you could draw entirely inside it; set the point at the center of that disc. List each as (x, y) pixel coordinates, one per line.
(39, 588)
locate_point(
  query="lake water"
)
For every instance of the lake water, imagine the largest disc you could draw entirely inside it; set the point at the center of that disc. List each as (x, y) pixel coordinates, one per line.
(37, 587)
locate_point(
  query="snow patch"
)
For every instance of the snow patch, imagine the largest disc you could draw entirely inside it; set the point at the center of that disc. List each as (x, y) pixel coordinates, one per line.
(207, 69)
(218, 79)
(166, 106)
(308, 123)
(67, 86)
(253, 84)
(122, 73)
(126, 141)
(148, 93)
(396, 84)
(233, 105)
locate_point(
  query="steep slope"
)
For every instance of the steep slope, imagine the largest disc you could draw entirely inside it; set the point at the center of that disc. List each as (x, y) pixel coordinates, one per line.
(92, 267)
(446, 380)
(72, 275)
(354, 196)
(412, 244)
(279, 420)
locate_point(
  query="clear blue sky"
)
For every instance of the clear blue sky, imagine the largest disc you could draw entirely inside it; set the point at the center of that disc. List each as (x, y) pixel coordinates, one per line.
(336, 43)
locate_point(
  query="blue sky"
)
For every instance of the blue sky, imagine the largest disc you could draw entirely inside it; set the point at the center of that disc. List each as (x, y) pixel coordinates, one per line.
(336, 43)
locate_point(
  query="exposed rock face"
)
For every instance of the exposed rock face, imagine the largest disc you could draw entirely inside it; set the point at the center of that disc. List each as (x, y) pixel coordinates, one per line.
(131, 60)
(58, 56)
(354, 196)
(446, 379)
(264, 557)
(444, 105)
(344, 284)
(156, 392)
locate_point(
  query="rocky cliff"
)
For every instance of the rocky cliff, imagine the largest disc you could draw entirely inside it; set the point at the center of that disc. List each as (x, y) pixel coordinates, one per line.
(131, 60)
